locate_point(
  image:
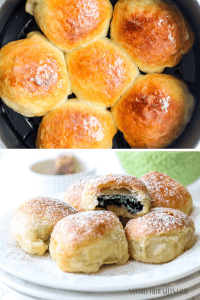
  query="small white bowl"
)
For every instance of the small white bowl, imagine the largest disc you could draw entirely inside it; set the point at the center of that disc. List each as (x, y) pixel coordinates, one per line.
(46, 183)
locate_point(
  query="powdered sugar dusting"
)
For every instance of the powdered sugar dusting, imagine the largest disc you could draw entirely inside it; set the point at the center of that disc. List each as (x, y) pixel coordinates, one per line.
(85, 226)
(166, 191)
(44, 207)
(74, 192)
(118, 180)
(157, 221)
(43, 270)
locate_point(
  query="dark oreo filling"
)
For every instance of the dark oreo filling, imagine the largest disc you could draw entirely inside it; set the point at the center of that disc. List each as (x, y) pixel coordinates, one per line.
(132, 205)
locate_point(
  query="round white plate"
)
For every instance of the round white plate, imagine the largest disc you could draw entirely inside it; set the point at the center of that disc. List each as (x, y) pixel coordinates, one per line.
(188, 294)
(43, 292)
(43, 270)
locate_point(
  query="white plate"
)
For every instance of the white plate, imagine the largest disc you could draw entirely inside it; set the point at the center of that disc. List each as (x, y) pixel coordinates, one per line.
(188, 294)
(133, 275)
(43, 292)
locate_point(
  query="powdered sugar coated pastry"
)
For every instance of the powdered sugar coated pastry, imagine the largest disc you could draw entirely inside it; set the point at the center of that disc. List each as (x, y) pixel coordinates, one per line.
(160, 236)
(33, 221)
(125, 195)
(167, 192)
(74, 192)
(87, 240)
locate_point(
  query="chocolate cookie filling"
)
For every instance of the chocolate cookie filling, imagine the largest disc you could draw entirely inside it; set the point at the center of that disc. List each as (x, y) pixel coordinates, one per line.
(132, 205)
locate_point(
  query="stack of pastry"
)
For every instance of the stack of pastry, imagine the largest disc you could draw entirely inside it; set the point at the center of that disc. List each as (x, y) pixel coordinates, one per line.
(38, 74)
(106, 220)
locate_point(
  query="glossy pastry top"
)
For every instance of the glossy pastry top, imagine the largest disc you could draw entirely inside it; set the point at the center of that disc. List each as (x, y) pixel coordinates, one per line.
(33, 75)
(100, 72)
(154, 33)
(88, 227)
(158, 221)
(76, 124)
(153, 112)
(167, 192)
(45, 208)
(71, 23)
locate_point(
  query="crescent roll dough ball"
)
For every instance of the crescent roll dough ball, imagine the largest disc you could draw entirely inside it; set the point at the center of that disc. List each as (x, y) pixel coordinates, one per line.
(100, 72)
(71, 23)
(167, 192)
(33, 76)
(153, 32)
(33, 221)
(86, 241)
(76, 125)
(74, 192)
(160, 236)
(154, 111)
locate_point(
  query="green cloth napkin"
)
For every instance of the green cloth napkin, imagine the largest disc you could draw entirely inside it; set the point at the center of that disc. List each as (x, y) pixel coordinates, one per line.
(184, 166)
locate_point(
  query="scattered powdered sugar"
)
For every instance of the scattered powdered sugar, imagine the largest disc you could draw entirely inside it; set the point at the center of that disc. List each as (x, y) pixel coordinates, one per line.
(77, 186)
(84, 226)
(165, 191)
(43, 270)
(158, 220)
(44, 207)
(117, 181)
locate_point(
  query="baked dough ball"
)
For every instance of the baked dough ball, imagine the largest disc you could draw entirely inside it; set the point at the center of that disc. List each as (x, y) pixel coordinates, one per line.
(125, 195)
(160, 236)
(33, 76)
(76, 124)
(33, 221)
(74, 192)
(167, 192)
(86, 241)
(153, 32)
(71, 23)
(100, 72)
(154, 111)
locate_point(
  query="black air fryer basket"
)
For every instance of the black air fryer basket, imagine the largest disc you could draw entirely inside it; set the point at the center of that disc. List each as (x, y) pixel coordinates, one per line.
(17, 131)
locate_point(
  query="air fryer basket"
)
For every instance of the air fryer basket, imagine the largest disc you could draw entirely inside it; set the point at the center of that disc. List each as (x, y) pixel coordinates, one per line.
(17, 131)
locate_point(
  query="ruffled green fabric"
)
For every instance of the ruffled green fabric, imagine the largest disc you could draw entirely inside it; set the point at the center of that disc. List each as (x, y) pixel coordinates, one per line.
(184, 166)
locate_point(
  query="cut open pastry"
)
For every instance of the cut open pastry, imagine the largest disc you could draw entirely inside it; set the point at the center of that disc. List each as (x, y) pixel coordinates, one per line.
(125, 195)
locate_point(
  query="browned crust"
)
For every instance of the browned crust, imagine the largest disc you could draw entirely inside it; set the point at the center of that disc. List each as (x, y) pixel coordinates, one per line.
(76, 124)
(167, 192)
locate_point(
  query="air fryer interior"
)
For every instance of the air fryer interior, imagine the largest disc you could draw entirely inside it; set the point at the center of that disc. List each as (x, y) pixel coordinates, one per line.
(17, 131)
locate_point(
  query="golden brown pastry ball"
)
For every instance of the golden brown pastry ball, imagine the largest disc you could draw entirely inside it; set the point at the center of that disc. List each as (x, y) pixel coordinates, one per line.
(160, 236)
(86, 241)
(76, 125)
(153, 32)
(100, 72)
(154, 111)
(33, 221)
(33, 76)
(74, 192)
(71, 23)
(167, 192)
(125, 195)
